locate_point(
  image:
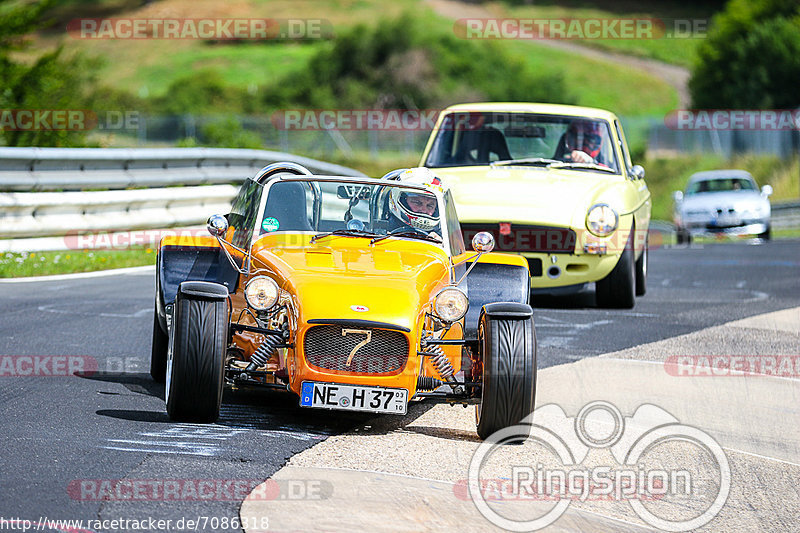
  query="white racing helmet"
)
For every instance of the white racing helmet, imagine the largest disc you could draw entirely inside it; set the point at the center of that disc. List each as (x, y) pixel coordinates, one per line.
(398, 199)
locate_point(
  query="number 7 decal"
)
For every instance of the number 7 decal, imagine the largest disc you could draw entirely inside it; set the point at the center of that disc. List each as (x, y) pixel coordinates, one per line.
(358, 346)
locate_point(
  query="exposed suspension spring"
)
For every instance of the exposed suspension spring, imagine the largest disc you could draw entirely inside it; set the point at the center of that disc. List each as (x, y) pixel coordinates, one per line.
(440, 362)
(264, 352)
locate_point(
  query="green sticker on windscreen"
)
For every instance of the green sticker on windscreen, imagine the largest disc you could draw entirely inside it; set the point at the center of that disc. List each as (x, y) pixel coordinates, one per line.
(270, 224)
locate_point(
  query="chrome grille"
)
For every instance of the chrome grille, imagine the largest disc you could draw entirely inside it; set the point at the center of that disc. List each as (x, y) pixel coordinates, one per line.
(325, 347)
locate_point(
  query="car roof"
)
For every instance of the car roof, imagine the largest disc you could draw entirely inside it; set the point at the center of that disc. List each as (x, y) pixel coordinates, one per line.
(528, 107)
(719, 174)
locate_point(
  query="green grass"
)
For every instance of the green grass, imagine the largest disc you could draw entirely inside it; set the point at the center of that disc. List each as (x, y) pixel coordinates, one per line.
(677, 50)
(23, 264)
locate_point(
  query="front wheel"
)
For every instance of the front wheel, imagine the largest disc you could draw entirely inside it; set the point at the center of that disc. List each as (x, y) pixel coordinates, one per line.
(507, 344)
(641, 269)
(158, 352)
(197, 343)
(767, 235)
(618, 289)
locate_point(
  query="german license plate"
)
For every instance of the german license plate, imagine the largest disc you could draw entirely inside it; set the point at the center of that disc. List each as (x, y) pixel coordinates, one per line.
(353, 397)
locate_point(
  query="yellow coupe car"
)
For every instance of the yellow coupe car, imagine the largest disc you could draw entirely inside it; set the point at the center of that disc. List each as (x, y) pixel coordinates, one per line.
(554, 183)
(351, 293)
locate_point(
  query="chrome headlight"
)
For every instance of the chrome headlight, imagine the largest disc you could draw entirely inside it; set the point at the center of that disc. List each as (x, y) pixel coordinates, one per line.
(450, 304)
(261, 293)
(601, 220)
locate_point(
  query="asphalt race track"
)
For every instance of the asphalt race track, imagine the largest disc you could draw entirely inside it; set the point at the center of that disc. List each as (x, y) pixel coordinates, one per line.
(63, 433)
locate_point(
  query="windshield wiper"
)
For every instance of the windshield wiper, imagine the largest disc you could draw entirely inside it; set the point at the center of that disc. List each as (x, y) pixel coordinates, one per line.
(344, 233)
(590, 166)
(524, 161)
(407, 233)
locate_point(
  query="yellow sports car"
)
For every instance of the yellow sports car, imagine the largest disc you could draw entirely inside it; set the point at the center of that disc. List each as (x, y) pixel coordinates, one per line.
(554, 183)
(352, 293)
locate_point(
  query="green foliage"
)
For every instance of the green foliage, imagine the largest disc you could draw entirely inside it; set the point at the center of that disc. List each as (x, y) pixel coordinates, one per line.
(50, 83)
(227, 132)
(202, 92)
(751, 58)
(405, 64)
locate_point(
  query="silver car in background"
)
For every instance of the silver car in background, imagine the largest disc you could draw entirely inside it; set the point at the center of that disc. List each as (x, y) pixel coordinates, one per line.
(722, 202)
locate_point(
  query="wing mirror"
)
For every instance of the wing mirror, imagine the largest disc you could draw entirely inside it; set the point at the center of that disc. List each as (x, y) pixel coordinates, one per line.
(483, 242)
(217, 225)
(677, 196)
(637, 172)
(766, 190)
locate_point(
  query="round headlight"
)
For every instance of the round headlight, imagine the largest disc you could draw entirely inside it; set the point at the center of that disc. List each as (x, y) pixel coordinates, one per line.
(451, 304)
(601, 220)
(261, 293)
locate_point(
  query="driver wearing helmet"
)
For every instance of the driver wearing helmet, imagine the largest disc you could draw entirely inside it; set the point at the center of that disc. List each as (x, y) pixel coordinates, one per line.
(582, 142)
(418, 210)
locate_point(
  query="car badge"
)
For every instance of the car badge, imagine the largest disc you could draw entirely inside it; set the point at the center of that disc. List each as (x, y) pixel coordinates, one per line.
(359, 308)
(505, 228)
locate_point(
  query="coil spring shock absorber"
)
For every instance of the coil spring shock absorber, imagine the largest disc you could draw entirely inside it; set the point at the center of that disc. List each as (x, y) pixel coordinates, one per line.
(442, 365)
(264, 352)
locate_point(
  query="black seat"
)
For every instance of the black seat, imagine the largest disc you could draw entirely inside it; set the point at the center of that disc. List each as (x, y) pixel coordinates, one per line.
(483, 143)
(287, 204)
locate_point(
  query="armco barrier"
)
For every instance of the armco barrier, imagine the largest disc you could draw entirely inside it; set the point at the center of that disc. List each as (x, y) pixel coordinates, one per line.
(45, 192)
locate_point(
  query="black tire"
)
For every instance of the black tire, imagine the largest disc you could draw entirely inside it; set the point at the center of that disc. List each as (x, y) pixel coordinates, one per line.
(641, 269)
(508, 393)
(767, 235)
(618, 289)
(195, 363)
(683, 237)
(158, 351)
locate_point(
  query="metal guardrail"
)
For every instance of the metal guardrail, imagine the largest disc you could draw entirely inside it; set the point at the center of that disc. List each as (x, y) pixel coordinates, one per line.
(48, 169)
(786, 215)
(139, 193)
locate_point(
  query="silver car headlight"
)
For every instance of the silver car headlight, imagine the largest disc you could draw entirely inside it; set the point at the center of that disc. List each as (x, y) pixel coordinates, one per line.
(601, 220)
(451, 304)
(261, 293)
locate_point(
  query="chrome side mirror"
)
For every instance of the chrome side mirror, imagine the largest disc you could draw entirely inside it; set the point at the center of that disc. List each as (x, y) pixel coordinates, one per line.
(637, 172)
(217, 225)
(766, 190)
(483, 242)
(677, 196)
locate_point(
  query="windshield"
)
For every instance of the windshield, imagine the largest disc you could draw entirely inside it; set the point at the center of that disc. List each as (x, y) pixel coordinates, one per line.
(351, 208)
(467, 139)
(720, 185)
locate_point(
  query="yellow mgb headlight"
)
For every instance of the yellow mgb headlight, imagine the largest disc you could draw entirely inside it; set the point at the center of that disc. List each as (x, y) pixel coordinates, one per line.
(261, 293)
(451, 304)
(601, 220)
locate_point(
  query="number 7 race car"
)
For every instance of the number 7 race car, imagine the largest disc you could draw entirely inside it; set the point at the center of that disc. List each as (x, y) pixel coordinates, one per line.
(352, 293)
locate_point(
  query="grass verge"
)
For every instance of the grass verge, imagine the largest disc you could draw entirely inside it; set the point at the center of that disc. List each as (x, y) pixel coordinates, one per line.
(24, 264)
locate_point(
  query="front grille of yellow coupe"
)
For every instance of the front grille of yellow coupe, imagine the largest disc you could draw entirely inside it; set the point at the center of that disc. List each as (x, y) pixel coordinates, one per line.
(326, 348)
(510, 237)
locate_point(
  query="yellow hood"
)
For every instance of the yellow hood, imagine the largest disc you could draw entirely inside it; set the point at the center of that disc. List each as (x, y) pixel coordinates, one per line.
(528, 195)
(345, 278)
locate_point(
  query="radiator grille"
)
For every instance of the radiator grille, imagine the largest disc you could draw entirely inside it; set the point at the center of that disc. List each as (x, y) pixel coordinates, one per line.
(523, 237)
(325, 347)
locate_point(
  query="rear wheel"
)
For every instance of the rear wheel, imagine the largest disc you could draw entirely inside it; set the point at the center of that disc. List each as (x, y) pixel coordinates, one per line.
(197, 343)
(158, 351)
(507, 344)
(618, 289)
(683, 237)
(641, 269)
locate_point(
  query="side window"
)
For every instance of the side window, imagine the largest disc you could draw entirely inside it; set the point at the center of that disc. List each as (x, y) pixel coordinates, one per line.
(242, 218)
(453, 227)
(623, 146)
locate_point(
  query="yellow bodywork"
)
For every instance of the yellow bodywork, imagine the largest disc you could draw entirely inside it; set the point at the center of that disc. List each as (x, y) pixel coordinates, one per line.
(551, 197)
(344, 278)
